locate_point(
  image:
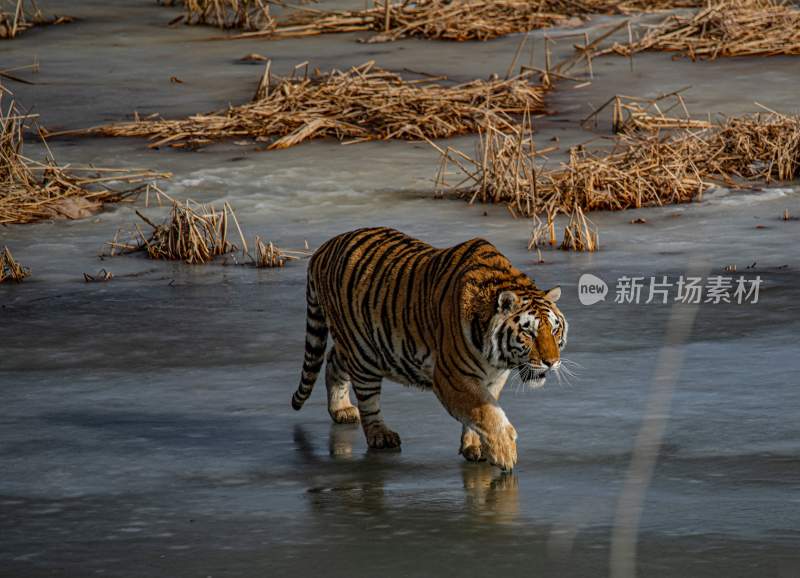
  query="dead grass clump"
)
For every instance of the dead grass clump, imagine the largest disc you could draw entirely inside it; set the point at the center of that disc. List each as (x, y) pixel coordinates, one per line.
(226, 14)
(502, 169)
(631, 114)
(641, 169)
(456, 20)
(580, 234)
(10, 270)
(197, 233)
(31, 190)
(434, 19)
(363, 103)
(193, 232)
(268, 255)
(16, 16)
(724, 28)
(764, 147)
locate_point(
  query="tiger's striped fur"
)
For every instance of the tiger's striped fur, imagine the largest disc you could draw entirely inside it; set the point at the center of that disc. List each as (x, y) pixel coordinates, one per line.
(454, 320)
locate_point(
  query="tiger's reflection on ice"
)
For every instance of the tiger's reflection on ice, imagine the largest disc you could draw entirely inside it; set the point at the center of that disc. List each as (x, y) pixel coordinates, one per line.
(357, 482)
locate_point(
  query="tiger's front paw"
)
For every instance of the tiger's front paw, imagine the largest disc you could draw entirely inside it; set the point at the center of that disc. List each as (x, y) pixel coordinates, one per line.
(500, 447)
(380, 437)
(472, 453)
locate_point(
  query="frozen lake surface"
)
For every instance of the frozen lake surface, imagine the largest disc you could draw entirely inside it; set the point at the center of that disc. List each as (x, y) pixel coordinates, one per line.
(146, 428)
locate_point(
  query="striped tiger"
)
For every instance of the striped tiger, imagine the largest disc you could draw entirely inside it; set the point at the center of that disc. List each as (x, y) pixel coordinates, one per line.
(455, 320)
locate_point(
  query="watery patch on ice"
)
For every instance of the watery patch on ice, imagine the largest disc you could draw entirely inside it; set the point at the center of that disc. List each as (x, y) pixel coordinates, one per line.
(727, 197)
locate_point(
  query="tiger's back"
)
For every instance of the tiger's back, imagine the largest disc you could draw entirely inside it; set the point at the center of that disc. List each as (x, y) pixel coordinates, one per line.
(373, 285)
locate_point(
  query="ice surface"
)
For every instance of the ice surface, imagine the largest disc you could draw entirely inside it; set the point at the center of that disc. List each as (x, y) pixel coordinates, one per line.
(146, 427)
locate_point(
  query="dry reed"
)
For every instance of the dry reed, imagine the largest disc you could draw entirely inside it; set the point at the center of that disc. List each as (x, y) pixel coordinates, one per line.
(197, 233)
(226, 14)
(543, 233)
(723, 28)
(457, 20)
(100, 277)
(363, 103)
(641, 169)
(435, 19)
(31, 190)
(193, 232)
(631, 114)
(268, 255)
(10, 270)
(580, 234)
(16, 16)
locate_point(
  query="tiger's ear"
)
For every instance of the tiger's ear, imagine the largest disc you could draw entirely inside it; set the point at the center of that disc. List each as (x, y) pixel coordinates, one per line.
(553, 294)
(507, 301)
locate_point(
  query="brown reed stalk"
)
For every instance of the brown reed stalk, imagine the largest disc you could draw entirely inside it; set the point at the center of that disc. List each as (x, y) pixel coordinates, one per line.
(362, 103)
(580, 234)
(10, 270)
(16, 16)
(226, 14)
(31, 190)
(268, 255)
(723, 28)
(538, 232)
(631, 114)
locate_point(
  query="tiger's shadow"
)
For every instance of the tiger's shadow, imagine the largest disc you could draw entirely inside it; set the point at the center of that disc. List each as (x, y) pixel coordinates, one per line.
(349, 483)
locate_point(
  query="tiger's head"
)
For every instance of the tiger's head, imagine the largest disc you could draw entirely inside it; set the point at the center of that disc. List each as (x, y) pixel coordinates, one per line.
(527, 333)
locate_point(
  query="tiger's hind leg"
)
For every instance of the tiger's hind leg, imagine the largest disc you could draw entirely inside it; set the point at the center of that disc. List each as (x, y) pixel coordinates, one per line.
(337, 381)
(378, 435)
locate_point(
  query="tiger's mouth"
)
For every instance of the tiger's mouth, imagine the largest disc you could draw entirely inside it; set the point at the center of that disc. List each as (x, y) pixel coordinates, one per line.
(536, 378)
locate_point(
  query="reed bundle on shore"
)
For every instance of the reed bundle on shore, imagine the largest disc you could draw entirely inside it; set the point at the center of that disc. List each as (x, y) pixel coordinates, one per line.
(16, 16)
(456, 20)
(434, 19)
(641, 169)
(363, 103)
(226, 14)
(31, 190)
(723, 28)
(10, 270)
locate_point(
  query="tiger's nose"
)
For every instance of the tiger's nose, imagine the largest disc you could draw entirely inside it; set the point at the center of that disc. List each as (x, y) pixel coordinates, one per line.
(551, 363)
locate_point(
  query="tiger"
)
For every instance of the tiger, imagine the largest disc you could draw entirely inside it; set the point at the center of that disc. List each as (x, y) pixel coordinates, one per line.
(455, 320)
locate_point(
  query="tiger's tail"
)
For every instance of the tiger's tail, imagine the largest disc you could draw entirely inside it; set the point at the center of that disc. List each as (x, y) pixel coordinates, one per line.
(316, 340)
